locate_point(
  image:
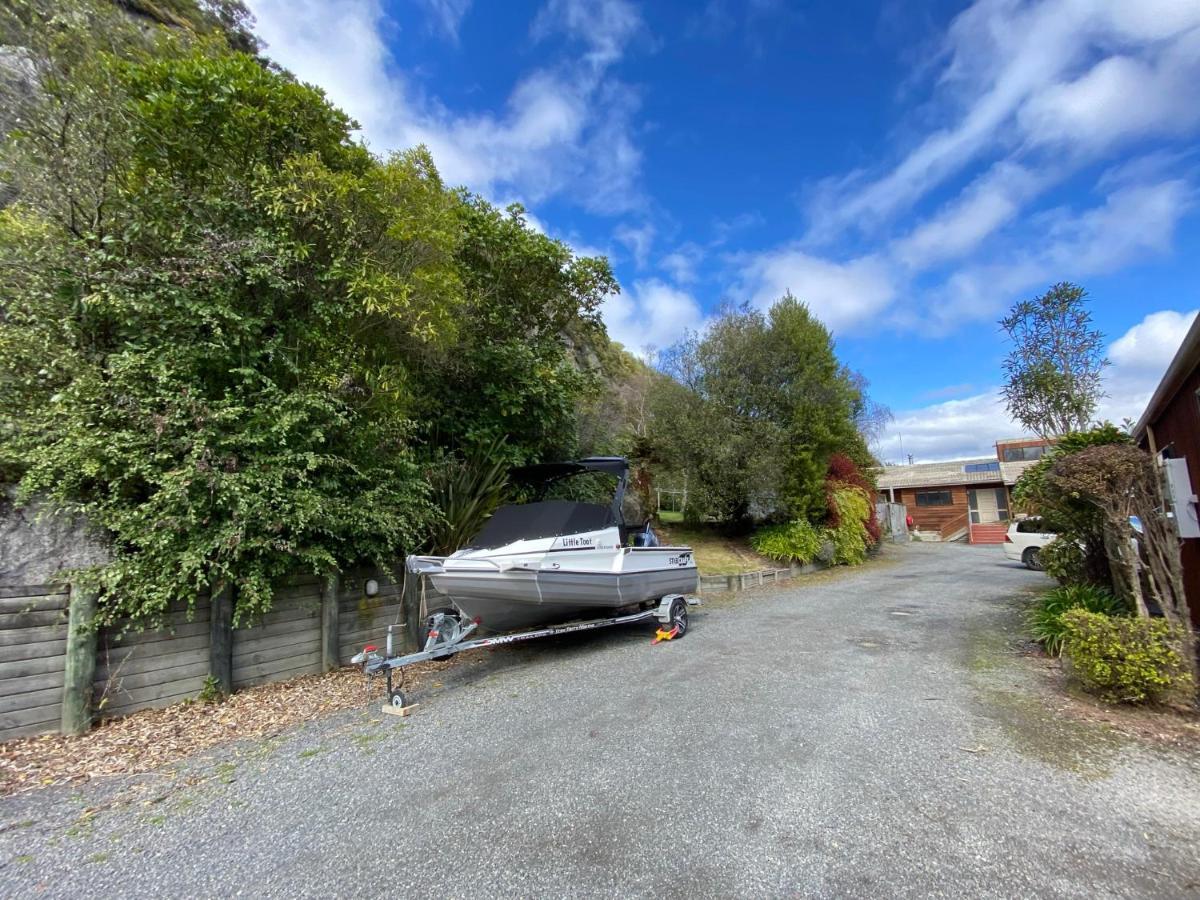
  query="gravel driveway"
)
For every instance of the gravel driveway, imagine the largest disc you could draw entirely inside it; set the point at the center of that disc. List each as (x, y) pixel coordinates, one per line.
(859, 733)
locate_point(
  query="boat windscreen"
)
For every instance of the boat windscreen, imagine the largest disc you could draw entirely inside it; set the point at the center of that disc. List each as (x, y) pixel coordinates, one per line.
(549, 518)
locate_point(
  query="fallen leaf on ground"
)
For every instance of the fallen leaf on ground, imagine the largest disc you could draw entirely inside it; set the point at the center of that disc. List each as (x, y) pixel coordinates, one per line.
(151, 738)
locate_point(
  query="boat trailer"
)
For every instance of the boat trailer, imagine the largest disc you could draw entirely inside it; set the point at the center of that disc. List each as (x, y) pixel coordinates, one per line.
(446, 634)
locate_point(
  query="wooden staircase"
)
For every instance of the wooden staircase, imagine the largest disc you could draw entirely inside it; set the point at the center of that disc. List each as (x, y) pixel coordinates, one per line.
(992, 533)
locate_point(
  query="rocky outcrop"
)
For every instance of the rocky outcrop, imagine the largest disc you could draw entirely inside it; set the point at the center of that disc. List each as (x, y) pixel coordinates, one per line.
(36, 546)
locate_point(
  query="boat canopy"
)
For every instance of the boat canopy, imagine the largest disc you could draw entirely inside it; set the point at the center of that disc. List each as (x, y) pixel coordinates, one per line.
(539, 473)
(546, 518)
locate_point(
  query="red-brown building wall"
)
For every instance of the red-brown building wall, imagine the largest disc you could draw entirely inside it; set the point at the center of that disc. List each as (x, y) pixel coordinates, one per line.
(935, 518)
(1178, 426)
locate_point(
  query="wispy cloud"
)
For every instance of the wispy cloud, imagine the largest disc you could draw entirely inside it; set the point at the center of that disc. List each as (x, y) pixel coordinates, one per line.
(651, 315)
(1020, 74)
(1026, 95)
(565, 129)
(638, 240)
(843, 295)
(970, 426)
(447, 15)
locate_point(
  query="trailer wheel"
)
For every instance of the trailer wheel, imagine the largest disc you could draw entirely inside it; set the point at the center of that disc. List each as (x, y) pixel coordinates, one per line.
(679, 616)
(398, 700)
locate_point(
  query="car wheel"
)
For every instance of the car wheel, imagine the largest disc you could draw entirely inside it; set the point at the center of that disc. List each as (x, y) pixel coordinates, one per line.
(1032, 558)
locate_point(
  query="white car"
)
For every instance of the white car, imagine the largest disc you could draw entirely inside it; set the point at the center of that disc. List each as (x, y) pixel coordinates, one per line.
(1025, 540)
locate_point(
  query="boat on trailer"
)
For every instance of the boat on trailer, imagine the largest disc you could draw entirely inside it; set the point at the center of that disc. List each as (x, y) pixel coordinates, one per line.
(551, 567)
(554, 560)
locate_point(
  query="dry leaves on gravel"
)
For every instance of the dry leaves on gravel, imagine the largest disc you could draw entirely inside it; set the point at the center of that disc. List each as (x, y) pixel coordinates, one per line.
(146, 740)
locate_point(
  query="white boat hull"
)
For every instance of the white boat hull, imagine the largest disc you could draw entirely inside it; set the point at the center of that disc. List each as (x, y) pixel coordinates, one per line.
(558, 580)
(503, 601)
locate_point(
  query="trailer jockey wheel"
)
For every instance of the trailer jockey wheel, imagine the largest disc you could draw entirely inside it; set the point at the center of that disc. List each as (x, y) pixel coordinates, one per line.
(397, 699)
(679, 616)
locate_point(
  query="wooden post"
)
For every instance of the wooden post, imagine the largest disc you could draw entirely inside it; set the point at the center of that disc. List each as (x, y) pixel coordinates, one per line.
(411, 607)
(80, 669)
(220, 648)
(330, 592)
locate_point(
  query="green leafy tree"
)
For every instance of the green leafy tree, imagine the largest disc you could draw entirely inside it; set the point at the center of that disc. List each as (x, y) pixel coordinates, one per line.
(759, 405)
(1054, 369)
(201, 322)
(510, 371)
(1078, 555)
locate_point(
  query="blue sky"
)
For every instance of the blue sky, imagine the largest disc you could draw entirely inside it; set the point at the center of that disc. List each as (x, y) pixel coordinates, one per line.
(908, 172)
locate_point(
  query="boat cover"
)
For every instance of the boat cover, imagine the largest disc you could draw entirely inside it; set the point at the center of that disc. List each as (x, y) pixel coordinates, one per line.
(547, 518)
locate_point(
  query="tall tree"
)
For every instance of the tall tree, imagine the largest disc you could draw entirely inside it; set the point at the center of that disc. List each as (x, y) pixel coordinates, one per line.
(1055, 366)
(758, 405)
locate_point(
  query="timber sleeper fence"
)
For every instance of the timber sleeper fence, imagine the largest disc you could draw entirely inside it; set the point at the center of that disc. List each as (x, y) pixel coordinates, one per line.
(58, 672)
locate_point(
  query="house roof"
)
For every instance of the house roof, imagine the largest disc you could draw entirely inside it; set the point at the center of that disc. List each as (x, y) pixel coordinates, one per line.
(949, 473)
(1185, 362)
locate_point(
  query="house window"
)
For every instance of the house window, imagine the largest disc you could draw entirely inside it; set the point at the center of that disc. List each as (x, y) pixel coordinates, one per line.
(981, 467)
(1024, 454)
(933, 498)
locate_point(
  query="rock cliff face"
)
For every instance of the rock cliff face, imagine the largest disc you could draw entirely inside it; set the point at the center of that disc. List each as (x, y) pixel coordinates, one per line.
(35, 548)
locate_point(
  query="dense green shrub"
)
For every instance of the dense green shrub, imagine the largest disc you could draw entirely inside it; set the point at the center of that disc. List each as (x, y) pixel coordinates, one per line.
(1045, 618)
(849, 534)
(1065, 562)
(790, 542)
(1123, 659)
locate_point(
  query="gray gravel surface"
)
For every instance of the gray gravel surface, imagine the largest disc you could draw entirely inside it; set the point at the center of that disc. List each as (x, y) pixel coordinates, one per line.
(873, 732)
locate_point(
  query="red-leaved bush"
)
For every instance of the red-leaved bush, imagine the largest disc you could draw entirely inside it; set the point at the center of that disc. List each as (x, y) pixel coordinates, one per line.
(843, 471)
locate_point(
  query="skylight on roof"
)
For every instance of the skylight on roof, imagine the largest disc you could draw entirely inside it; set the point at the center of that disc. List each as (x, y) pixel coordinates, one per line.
(993, 466)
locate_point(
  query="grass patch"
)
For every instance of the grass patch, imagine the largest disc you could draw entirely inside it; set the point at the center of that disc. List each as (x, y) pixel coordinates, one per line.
(716, 554)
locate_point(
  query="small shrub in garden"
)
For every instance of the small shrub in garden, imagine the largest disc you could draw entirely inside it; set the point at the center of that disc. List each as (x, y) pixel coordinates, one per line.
(791, 542)
(1124, 659)
(1045, 618)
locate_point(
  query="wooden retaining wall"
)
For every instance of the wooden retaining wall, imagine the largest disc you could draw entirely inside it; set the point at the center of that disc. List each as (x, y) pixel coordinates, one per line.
(746, 580)
(140, 669)
(33, 643)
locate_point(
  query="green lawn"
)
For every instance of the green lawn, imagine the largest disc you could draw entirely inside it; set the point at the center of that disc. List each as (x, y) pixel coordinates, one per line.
(715, 553)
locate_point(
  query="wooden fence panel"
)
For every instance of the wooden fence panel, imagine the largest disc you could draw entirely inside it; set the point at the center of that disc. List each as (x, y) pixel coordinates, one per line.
(33, 638)
(142, 669)
(364, 620)
(283, 643)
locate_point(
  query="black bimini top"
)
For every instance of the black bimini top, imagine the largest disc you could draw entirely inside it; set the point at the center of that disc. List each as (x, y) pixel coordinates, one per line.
(543, 472)
(547, 518)
(551, 518)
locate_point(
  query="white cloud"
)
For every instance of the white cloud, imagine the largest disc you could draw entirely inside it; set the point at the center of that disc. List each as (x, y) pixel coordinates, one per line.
(842, 295)
(652, 314)
(989, 202)
(681, 263)
(1132, 223)
(447, 15)
(564, 130)
(1151, 344)
(1012, 75)
(637, 239)
(971, 426)
(606, 26)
